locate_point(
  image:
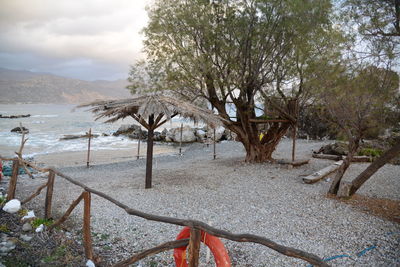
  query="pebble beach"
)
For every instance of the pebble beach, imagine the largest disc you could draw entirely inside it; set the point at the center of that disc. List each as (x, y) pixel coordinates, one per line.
(266, 199)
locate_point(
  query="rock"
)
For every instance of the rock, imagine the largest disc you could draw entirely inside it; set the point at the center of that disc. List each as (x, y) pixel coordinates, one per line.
(138, 134)
(174, 135)
(31, 214)
(127, 129)
(14, 116)
(201, 134)
(219, 133)
(164, 134)
(20, 130)
(90, 263)
(26, 238)
(27, 227)
(12, 206)
(338, 148)
(158, 136)
(40, 228)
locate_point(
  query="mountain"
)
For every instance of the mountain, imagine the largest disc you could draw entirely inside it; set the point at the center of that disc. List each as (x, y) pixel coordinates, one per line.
(31, 87)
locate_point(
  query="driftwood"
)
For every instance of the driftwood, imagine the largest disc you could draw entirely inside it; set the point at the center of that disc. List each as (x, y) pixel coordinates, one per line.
(327, 156)
(49, 195)
(295, 163)
(194, 247)
(315, 177)
(87, 238)
(13, 181)
(67, 213)
(163, 247)
(14, 116)
(288, 251)
(37, 192)
(339, 157)
(77, 136)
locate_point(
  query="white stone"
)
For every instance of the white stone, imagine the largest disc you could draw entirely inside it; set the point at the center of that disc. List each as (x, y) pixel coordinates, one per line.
(39, 229)
(12, 206)
(90, 263)
(26, 238)
(201, 134)
(26, 227)
(31, 214)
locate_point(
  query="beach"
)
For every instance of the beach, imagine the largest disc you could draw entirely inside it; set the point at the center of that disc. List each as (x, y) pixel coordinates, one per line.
(266, 199)
(79, 158)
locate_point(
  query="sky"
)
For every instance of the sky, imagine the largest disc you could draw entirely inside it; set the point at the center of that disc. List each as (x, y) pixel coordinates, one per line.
(84, 39)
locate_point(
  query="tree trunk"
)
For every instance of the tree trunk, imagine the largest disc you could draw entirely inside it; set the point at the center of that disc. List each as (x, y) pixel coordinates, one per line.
(261, 150)
(374, 167)
(353, 146)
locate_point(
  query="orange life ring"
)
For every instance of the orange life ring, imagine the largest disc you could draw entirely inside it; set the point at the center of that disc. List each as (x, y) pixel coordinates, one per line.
(214, 243)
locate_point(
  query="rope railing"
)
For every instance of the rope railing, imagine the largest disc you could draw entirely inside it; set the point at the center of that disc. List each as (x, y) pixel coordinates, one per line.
(193, 224)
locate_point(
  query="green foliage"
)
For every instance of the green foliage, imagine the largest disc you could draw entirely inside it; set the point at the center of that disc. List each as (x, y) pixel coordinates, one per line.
(4, 228)
(59, 253)
(240, 54)
(371, 152)
(38, 221)
(23, 212)
(2, 200)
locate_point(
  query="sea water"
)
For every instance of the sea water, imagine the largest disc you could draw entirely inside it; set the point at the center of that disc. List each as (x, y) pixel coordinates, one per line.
(50, 122)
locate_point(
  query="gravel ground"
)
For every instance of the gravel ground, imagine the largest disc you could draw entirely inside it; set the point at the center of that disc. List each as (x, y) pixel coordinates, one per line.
(264, 199)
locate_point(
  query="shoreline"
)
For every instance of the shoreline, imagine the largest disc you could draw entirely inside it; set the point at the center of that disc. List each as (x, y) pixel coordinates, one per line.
(102, 156)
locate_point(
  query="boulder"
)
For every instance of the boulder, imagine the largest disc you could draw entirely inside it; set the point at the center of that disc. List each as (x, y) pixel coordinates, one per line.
(158, 136)
(12, 206)
(174, 135)
(127, 129)
(20, 130)
(138, 134)
(219, 133)
(337, 148)
(200, 134)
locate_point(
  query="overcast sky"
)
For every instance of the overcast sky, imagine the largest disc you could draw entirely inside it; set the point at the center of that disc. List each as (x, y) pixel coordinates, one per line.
(85, 39)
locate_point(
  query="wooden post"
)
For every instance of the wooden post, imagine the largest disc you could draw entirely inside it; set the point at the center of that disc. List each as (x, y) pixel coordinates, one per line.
(88, 152)
(180, 141)
(207, 135)
(138, 147)
(215, 154)
(87, 238)
(149, 156)
(194, 247)
(49, 194)
(294, 142)
(13, 181)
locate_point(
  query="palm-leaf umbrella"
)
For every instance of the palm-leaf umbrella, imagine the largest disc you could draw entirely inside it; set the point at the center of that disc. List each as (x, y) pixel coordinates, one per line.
(151, 111)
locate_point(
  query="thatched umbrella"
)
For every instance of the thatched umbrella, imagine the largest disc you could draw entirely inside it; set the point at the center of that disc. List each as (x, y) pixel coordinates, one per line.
(151, 111)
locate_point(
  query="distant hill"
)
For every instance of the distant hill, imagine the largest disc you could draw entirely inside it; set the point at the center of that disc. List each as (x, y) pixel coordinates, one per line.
(30, 87)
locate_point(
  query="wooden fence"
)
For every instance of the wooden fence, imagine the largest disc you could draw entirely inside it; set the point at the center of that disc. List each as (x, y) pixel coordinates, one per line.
(195, 226)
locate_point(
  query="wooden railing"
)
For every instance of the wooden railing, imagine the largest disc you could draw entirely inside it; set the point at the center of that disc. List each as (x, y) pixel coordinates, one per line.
(195, 225)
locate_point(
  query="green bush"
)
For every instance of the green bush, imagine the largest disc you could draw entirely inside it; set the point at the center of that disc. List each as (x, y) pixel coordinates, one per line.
(38, 221)
(371, 152)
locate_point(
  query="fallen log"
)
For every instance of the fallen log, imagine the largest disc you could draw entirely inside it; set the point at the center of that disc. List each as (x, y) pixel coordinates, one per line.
(14, 116)
(327, 156)
(295, 163)
(338, 157)
(76, 136)
(315, 177)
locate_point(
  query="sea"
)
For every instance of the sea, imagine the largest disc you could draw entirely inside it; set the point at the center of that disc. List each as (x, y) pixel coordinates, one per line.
(49, 122)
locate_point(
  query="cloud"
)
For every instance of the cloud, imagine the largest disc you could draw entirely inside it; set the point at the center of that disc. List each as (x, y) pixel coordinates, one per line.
(97, 31)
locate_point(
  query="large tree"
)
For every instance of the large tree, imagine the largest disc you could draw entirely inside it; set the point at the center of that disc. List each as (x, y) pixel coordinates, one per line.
(236, 53)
